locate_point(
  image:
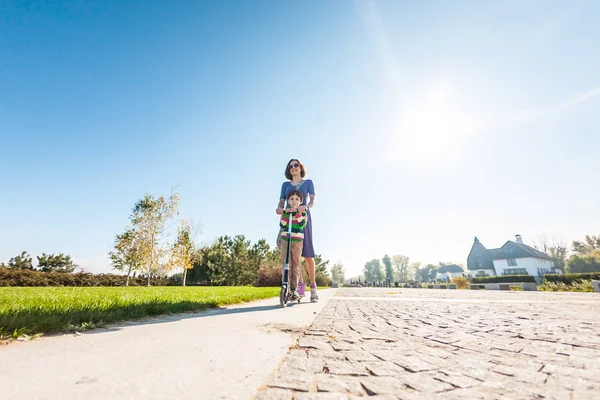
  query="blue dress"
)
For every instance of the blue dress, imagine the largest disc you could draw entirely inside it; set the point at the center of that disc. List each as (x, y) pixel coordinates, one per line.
(306, 187)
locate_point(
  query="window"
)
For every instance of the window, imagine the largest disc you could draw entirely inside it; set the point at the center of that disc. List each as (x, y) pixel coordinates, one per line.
(512, 262)
(515, 271)
(481, 273)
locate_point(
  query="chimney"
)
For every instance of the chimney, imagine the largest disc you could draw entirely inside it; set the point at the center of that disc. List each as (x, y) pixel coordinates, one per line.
(519, 239)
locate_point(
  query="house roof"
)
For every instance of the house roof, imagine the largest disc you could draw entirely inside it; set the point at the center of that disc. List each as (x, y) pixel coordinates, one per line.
(482, 258)
(450, 268)
(517, 250)
(479, 257)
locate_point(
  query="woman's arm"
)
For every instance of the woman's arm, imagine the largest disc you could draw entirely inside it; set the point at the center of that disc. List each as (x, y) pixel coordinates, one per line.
(280, 205)
(310, 204)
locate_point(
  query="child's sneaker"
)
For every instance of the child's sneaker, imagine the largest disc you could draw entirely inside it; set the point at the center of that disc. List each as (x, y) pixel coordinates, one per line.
(314, 297)
(302, 289)
(294, 294)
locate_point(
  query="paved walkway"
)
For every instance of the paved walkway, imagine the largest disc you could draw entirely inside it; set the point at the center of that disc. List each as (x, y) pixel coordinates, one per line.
(445, 344)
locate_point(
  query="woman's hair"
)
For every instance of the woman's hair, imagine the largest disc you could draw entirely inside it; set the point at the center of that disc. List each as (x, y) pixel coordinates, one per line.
(295, 193)
(288, 174)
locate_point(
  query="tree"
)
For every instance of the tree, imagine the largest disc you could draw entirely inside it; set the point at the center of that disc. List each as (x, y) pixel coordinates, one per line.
(412, 271)
(214, 261)
(586, 257)
(237, 268)
(22, 261)
(556, 249)
(55, 263)
(148, 220)
(387, 264)
(589, 262)
(321, 270)
(234, 261)
(372, 271)
(337, 272)
(261, 251)
(202, 270)
(229, 261)
(426, 273)
(127, 254)
(590, 244)
(401, 264)
(261, 255)
(183, 251)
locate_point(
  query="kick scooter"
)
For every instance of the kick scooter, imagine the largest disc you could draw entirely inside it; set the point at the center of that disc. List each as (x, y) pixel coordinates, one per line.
(285, 294)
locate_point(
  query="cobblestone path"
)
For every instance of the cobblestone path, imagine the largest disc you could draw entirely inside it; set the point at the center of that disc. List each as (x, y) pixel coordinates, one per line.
(445, 344)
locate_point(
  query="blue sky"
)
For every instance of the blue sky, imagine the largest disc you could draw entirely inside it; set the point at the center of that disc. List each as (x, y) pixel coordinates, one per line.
(422, 124)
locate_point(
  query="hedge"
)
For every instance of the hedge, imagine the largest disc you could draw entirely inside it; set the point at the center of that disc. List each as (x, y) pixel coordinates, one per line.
(11, 277)
(570, 278)
(504, 279)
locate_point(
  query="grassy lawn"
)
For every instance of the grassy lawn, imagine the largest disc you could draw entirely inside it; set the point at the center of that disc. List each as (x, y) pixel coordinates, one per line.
(36, 310)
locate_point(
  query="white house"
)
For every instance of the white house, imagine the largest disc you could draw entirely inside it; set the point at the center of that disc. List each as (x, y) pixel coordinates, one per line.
(447, 272)
(513, 258)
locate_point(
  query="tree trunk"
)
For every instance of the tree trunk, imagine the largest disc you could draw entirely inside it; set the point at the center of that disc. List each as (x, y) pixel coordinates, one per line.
(184, 275)
(128, 274)
(151, 260)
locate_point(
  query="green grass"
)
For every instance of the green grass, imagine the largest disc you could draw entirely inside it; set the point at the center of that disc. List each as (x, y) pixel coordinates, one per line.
(36, 310)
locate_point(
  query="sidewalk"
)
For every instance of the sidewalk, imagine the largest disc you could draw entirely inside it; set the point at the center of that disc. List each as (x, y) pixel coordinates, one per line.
(445, 344)
(217, 354)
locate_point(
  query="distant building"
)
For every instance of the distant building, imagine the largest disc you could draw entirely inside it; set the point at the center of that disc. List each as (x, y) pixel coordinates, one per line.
(447, 272)
(513, 258)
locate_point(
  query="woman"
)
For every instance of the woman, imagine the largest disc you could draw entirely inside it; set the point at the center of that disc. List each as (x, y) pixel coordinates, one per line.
(295, 173)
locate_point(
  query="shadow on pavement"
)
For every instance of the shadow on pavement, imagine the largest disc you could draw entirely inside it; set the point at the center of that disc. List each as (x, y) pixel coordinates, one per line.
(210, 312)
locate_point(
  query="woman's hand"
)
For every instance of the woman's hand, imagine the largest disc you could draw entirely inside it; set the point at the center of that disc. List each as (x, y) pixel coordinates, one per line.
(279, 211)
(301, 209)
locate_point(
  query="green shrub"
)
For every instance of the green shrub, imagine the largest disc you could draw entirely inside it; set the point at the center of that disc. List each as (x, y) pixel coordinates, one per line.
(322, 280)
(504, 279)
(571, 278)
(25, 277)
(577, 286)
(269, 273)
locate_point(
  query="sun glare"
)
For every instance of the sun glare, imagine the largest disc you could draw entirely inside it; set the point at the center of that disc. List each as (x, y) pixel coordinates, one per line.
(432, 126)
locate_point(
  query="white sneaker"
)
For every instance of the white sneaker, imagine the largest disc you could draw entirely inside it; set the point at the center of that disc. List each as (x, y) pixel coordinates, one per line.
(314, 297)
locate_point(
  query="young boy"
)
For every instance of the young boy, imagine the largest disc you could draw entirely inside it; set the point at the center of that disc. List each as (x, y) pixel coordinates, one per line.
(294, 199)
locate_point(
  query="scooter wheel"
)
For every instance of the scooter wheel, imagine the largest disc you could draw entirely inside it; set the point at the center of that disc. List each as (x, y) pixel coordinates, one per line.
(283, 297)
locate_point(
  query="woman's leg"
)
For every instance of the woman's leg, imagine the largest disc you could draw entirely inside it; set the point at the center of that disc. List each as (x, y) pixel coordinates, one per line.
(310, 266)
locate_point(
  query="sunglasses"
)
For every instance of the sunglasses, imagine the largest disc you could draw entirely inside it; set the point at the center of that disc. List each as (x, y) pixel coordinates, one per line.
(296, 165)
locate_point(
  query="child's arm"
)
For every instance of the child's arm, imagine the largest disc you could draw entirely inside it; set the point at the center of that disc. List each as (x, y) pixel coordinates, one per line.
(283, 222)
(303, 220)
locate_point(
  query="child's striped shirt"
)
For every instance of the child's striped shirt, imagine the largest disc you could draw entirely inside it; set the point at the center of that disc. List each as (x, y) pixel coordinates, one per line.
(299, 221)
